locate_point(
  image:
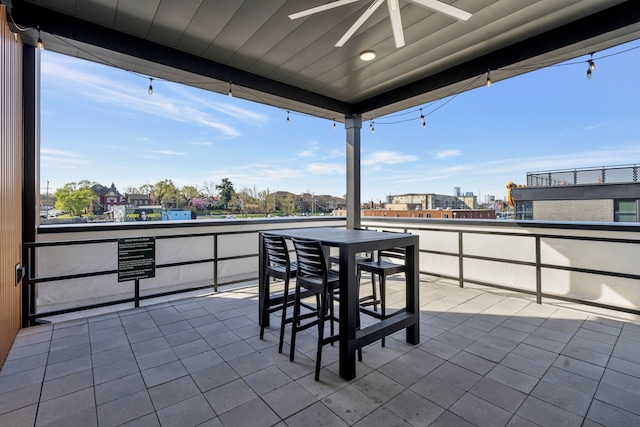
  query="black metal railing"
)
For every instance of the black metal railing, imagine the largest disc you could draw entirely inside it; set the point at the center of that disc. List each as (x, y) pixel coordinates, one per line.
(31, 314)
(602, 175)
(541, 289)
(590, 234)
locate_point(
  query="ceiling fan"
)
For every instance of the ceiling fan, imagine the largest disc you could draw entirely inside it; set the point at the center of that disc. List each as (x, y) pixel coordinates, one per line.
(394, 15)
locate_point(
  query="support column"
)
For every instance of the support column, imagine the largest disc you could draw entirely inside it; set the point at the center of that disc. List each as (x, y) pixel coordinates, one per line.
(31, 166)
(353, 124)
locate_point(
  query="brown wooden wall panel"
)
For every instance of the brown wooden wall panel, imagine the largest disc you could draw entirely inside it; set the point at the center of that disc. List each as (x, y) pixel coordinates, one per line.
(10, 183)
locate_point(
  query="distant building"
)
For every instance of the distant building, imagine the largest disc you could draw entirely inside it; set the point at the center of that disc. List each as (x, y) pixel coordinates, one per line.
(322, 203)
(427, 201)
(108, 198)
(609, 194)
(138, 200)
(432, 213)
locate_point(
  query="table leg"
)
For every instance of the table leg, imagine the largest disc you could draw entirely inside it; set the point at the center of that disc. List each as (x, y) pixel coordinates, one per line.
(348, 313)
(263, 290)
(413, 292)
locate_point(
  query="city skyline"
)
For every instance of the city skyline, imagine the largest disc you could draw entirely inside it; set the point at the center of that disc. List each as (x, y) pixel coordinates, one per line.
(99, 123)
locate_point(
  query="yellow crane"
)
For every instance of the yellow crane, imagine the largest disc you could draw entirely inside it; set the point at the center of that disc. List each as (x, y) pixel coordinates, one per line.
(511, 186)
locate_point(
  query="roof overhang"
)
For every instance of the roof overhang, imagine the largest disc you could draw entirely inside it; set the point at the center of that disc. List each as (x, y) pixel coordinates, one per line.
(294, 65)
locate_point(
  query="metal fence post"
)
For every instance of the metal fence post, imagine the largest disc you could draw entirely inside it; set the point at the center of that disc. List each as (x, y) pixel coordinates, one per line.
(538, 273)
(136, 293)
(460, 260)
(215, 263)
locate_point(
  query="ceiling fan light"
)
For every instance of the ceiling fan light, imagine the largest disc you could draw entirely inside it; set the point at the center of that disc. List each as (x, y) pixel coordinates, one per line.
(367, 55)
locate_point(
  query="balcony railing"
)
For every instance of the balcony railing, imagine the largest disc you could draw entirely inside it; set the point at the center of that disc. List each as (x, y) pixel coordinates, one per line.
(74, 268)
(584, 176)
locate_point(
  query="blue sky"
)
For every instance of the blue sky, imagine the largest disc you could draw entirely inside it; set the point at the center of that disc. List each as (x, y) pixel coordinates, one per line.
(99, 123)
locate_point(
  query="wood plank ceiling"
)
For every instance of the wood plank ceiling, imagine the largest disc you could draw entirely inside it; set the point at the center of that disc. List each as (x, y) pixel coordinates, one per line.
(294, 64)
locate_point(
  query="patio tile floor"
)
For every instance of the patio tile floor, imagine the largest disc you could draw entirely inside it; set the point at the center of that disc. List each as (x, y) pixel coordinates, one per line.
(486, 358)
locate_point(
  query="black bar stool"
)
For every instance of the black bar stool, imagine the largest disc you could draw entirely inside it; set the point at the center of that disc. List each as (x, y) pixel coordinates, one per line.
(278, 266)
(315, 276)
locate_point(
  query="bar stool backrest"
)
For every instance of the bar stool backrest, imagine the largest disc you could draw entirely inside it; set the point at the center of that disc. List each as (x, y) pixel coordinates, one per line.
(277, 253)
(312, 262)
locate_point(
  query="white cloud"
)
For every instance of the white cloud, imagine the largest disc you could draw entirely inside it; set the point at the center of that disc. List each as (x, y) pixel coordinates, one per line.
(448, 153)
(83, 79)
(168, 153)
(326, 168)
(387, 158)
(243, 114)
(61, 159)
(597, 125)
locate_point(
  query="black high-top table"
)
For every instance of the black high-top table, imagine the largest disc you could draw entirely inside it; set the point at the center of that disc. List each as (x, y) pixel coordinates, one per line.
(351, 242)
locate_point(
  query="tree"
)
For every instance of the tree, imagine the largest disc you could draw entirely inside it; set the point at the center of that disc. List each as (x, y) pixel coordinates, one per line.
(265, 202)
(289, 205)
(75, 197)
(226, 191)
(250, 198)
(47, 199)
(190, 192)
(131, 190)
(165, 193)
(209, 189)
(146, 189)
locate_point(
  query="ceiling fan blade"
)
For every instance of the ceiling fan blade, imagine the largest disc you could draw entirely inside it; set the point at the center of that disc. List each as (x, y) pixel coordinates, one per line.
(445, 9)
(320, 8)
(396, 22)
(367, 13)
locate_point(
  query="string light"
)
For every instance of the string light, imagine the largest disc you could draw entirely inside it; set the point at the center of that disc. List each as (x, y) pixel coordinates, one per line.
(591, 69)
(424, 124)
(453, 95)
(39, 44)
(230, 93)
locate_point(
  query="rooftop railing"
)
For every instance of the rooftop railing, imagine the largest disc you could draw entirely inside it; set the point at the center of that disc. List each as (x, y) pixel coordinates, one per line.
(74, 268)
(603, 175)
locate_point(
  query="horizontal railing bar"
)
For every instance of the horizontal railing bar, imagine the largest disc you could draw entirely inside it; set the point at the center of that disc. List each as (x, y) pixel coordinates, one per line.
(533, 264)
(592, 271)
(132, 299)
(33, 280)
(591, 303)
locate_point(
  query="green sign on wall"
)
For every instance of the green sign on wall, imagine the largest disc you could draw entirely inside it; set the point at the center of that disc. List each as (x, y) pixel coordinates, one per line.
(136, 258)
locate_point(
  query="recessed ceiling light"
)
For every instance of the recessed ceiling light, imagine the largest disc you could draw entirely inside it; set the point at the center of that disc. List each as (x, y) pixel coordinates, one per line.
(368, 55)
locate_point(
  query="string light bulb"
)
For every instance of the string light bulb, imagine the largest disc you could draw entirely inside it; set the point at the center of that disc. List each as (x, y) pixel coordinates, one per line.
(488, 78)
(288, 120)
(373, 130)
(591, 69)
(424, 124)
(230, 93)
(150, 85)
(334, 123)
(39, 43)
